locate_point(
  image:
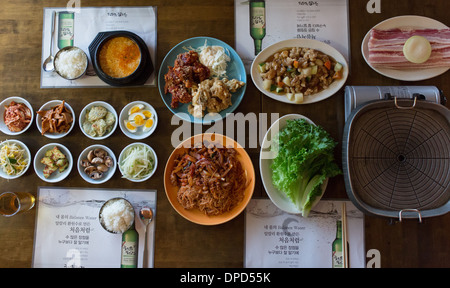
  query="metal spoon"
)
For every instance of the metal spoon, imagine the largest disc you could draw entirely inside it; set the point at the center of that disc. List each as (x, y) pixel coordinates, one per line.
(146, 214)
(48, 65)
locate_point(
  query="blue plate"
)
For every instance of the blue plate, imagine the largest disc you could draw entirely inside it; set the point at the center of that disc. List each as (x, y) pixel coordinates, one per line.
(235, 70)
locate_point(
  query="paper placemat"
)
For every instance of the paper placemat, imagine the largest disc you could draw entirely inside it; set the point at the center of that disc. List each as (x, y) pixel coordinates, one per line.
(87, 23)
(68, 232)
(323, 20)
(276, 239)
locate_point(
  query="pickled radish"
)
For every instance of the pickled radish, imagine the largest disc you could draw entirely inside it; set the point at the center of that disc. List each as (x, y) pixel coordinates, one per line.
(417, 49)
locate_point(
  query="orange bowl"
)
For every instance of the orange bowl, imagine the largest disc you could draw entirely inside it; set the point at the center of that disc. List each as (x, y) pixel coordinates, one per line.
(195, 215)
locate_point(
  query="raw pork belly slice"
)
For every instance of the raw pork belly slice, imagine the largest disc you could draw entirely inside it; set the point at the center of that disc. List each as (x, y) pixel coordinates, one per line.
(386, 48)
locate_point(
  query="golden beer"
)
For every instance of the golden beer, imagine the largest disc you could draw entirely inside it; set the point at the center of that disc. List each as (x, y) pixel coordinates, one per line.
(12, 203)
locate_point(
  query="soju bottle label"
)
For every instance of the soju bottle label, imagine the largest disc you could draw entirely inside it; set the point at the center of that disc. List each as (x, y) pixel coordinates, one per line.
(338, 259)
(258, 20)
(129, 254)
(66, 29)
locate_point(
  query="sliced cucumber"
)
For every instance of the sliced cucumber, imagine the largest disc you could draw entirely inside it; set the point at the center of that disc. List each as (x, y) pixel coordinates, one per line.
(262, 67)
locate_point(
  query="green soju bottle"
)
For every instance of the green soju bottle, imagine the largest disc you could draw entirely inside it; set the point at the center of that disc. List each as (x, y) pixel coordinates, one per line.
(337, 254)
(258, 23)
(66, 27)
(130, 245)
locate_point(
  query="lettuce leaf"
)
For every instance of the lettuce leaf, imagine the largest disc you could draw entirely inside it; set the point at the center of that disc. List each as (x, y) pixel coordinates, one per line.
(304, 160)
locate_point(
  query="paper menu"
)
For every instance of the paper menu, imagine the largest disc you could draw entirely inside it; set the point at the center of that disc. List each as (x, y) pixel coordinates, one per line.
(68, 232)
(323, 20)
(88, 22)
(275, 239)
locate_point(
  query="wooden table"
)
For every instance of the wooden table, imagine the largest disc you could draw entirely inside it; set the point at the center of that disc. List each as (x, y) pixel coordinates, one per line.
(180, 243)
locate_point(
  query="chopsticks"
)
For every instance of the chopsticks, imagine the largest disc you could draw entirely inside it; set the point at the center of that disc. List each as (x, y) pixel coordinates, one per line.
(344, 236)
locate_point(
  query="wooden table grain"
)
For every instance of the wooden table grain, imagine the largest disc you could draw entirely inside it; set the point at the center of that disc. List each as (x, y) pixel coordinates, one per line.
(180, 243)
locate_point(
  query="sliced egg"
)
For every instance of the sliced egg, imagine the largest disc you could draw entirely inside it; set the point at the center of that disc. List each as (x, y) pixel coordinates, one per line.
(147, 113)
(130, 126)
(135, 108)
(137, 118)
(148, 125)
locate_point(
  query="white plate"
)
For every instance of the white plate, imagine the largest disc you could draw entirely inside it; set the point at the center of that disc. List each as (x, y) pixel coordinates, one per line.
(399, 22)
(314, 44)
(106, 175)
(6, 102)
(48, 106)
(27, 151)
(265, 161)
(108, 107)
(138, 135)
(55, 176)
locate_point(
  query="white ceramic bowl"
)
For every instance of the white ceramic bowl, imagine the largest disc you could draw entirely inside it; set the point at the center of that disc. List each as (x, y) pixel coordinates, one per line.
(106, 175)
(155, 162)
(55, 176)
(139, 134)
(28, 155)
(6, 102)
(108, 107)
(48, 106)
(265, 161)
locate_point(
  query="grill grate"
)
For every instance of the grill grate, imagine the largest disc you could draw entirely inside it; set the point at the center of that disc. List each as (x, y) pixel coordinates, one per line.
(399, 158)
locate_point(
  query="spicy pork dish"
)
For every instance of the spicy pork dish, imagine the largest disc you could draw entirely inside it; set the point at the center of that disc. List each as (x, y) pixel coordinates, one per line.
(199, 78)
(299, 71)
(210, 179)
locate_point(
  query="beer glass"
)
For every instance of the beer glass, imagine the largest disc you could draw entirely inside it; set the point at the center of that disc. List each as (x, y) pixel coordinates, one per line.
(12, 203)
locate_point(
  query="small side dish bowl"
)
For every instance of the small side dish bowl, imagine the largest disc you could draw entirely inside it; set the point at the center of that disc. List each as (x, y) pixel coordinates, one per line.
(47, 106)
(137, 152)
(18, 100)
(49, 162)
(71, 63)
(97, 164)
(146, 125)
(26, 158)
(108, 124)
(116, 215)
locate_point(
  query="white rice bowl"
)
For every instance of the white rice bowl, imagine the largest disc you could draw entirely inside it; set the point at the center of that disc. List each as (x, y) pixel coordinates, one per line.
(71, 63)
(117, 215)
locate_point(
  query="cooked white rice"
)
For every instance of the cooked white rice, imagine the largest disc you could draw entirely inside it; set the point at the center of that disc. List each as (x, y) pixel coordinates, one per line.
(117, 216)
(71, 63)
